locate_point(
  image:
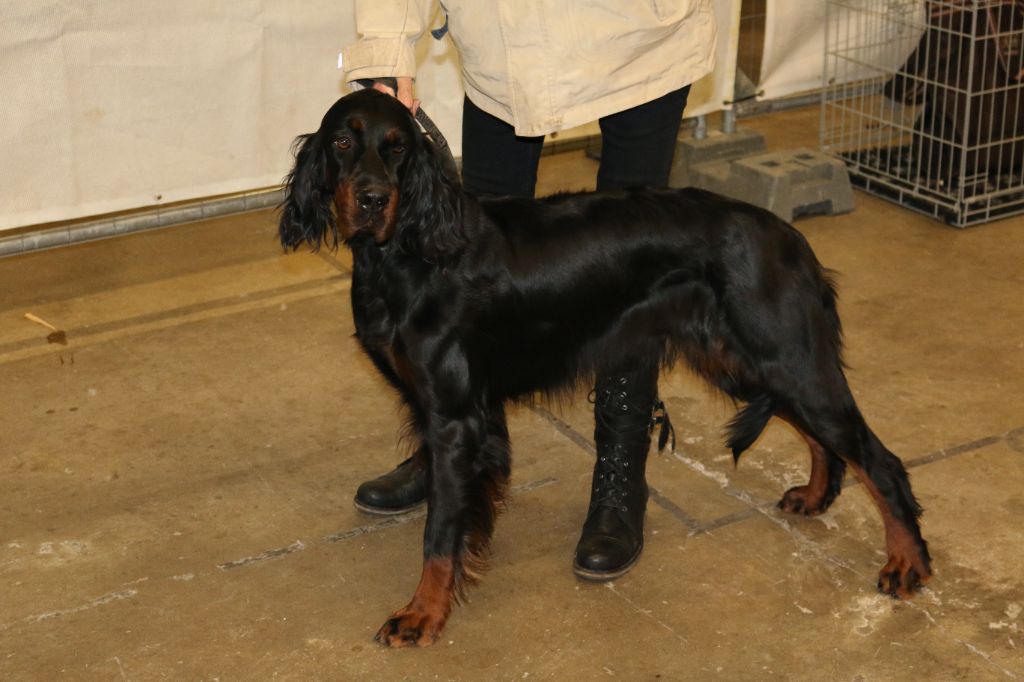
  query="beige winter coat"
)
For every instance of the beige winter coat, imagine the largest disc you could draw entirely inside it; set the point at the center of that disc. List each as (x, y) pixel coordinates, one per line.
(545, 65)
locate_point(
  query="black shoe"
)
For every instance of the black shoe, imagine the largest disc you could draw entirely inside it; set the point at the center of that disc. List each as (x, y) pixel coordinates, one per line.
(613, 534)
(626, 409)
(402, 489)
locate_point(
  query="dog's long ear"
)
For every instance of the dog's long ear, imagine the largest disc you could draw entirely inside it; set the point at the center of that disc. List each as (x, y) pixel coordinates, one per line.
(306, 212)
(430, 204)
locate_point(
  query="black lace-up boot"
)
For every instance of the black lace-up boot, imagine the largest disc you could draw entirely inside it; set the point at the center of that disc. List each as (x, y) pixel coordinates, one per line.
(400, 490)
(626, 409)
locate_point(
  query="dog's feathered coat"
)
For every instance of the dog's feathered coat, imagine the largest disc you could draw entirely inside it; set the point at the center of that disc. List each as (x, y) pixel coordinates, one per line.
(465, 303)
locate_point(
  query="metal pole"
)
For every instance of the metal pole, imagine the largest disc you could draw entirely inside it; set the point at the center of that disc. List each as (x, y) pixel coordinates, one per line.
(701, 131)
(729, 120)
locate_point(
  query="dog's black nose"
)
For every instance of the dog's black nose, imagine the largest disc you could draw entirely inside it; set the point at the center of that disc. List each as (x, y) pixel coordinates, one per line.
(372, 200)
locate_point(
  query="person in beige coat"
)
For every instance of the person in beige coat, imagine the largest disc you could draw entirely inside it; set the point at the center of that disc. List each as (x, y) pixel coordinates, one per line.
(529, 69)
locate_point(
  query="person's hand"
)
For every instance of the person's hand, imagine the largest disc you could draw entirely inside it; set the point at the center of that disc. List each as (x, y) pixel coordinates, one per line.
(404, 94)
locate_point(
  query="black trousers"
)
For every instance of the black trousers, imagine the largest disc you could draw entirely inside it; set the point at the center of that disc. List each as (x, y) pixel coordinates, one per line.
(636, 149)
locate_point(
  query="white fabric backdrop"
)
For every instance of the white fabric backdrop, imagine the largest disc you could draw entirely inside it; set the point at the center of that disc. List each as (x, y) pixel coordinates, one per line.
(117, 104)
(789, 65)
(110, 105)
(872, 36)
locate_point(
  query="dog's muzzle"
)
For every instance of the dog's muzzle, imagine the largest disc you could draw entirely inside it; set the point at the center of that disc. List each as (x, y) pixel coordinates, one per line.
(373, 201)
(368, 208)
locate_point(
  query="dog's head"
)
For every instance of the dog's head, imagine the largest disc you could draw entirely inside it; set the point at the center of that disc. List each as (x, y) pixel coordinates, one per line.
(368, 173)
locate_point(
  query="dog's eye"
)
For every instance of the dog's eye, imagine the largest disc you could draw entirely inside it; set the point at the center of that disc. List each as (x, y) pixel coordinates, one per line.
(343, 143)
(398, 149)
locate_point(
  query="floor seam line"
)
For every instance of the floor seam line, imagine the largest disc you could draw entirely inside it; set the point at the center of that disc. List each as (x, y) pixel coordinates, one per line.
(205, 306)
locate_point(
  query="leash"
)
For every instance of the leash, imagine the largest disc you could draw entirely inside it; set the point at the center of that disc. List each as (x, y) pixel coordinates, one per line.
(428, 125)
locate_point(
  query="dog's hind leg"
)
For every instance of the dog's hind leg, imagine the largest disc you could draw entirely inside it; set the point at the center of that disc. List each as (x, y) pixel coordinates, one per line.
(840, 428)
(827, 469)
(466, 479)
(824, 486)
(909, 564)
(822, 408)
(783, 357)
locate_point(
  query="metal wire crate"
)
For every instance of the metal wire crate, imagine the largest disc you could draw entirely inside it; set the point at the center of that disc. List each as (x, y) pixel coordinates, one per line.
(925, 102)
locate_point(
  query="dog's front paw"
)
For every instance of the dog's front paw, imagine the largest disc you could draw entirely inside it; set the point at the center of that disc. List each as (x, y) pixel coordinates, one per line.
(904, 574)
(410, 627)
(801, 500)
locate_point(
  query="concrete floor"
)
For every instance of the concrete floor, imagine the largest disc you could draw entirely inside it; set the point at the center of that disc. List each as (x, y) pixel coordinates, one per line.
(176, 482)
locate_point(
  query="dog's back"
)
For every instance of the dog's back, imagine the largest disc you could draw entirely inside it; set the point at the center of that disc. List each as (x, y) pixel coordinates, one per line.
(639, 271)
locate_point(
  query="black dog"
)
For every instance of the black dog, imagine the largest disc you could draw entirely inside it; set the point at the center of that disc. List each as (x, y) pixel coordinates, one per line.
(465, 303)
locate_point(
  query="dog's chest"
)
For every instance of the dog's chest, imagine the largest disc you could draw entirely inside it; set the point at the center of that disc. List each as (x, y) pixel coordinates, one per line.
(380, 336)
(399, 362)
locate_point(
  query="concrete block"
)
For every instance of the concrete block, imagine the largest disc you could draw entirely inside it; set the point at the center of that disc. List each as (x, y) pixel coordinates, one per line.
(717, 146)
(790, 184)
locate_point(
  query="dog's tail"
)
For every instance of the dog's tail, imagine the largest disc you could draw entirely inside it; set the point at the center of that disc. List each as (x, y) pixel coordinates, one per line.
(748, 424)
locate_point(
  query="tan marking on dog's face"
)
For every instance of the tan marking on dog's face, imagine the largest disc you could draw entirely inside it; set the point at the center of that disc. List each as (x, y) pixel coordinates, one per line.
(347, 215)
(388, 219)
(345, 210)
